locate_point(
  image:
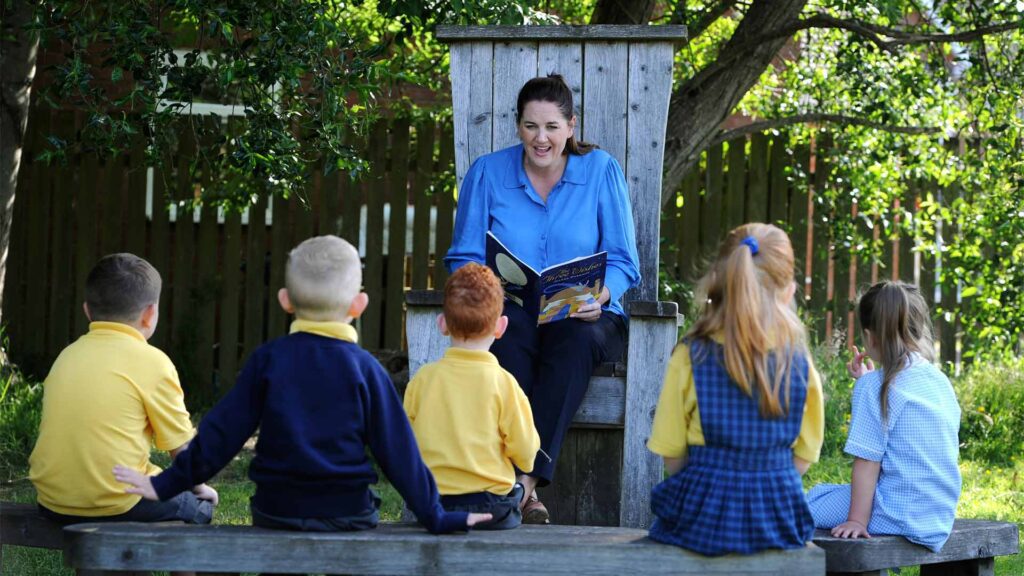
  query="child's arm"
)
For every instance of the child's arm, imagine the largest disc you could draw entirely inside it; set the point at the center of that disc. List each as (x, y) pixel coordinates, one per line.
(517, 429)
(862, 497)
(202, 491)
(673, 465)
(221, 435)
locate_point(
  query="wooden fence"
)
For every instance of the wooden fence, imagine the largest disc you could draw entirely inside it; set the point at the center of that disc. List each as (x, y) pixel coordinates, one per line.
(221, 272)
(760, 179)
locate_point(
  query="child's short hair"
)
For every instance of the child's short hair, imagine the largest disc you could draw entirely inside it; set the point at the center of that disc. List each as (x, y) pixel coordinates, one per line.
(120, 286)
(323, 275)
(473, 301)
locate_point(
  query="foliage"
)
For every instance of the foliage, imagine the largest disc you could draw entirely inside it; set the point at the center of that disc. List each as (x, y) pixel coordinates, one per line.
(20, 409)
(992, 403)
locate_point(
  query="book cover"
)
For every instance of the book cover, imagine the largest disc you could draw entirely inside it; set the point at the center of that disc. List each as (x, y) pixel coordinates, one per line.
(553, 293)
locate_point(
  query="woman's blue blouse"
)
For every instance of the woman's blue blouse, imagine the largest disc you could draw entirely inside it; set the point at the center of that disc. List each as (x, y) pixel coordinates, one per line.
(587, 211)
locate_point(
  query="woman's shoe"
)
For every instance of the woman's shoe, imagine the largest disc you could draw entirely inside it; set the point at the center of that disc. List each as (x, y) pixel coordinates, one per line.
(534, 512)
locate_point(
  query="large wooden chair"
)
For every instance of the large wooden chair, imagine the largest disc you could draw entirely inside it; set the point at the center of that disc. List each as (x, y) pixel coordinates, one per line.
(621, 77)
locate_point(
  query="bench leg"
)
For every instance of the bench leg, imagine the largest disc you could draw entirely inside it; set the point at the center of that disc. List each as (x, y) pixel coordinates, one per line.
(974, 567)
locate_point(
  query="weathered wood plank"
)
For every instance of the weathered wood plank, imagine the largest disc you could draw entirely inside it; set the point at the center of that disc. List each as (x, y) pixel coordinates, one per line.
(422, 201)
(560, 496)
(408, 549)
(757, 179)
(204, 299)
(373, 273)
(565, 58)
(735, 196)
(650, 344)
(514, 64)
(673, 33)
(159, 250)
(231, 286)
(255, 274)
(605, 96)
(460, 67)
(650, 83)
(183, 336)
(711, 229)
(398, 187)
(21, 525)
(778, 183)
(970, 539)
(480, 132)
(280, 245)
(445, 212)
(688, 238)
(598, 465)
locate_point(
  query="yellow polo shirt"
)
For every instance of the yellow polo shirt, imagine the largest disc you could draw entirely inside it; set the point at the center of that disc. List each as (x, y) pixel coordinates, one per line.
(108, 398)
(472, 422)
(677, 418)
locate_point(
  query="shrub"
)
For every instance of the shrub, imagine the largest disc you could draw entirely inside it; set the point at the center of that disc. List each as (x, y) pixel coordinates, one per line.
(992, 402)
(838, 388)
(21, 405)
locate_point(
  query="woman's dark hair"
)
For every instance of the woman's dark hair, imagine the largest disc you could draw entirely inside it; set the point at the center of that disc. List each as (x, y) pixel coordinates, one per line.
(552, 88)
(897, 315)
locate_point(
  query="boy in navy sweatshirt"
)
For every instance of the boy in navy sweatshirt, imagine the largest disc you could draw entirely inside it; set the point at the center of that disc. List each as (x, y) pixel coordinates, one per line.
(319, 401)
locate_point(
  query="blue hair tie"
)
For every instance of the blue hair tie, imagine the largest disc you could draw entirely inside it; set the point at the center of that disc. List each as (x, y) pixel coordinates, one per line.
(751, 242)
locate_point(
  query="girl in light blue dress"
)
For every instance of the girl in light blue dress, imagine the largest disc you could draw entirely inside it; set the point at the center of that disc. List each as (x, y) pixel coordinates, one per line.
(903, 430)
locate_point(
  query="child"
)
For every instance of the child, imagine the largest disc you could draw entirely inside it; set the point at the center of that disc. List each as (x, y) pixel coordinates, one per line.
(107, 399)
(472, 458)
(903, 431)
(740, 416)
(319, 401)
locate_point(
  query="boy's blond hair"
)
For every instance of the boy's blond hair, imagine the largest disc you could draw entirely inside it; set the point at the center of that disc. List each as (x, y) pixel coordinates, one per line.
(323, 275)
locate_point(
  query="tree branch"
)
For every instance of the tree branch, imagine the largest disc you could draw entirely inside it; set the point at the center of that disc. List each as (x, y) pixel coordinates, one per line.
(704, 21)
(842, 119)
(887, 39)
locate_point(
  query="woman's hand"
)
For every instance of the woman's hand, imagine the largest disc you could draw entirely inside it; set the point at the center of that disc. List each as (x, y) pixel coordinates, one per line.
(591, 312)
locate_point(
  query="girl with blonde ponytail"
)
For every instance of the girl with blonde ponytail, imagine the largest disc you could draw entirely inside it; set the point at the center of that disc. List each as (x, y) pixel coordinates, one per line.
(903, 482)
(740, 417)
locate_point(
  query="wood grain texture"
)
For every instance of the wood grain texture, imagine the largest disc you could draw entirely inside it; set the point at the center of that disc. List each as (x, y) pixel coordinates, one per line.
(425, 130)
(231, 288)
(460, 58)
(255, 270)
(21, 525)
(650, 345)
(604, 97)
(514, 64)
(565, 58)
(650, 83)
(711, 208)
(970, 539)
(408, 549)
(673, 33)
(480, 113)
(398, 199)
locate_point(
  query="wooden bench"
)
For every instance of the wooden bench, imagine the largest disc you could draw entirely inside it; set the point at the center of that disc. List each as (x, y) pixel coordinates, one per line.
(406, 549)
(621, 77)
(970, 550)
(21, 525)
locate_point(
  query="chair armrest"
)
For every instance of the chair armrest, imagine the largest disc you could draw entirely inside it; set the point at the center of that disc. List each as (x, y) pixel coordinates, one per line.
(648, 309)
(424, 298)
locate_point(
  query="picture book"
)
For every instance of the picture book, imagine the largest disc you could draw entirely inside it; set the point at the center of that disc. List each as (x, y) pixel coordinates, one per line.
(553, 293)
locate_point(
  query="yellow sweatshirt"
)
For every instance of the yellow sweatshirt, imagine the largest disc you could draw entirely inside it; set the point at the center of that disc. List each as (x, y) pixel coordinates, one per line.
(472, 422)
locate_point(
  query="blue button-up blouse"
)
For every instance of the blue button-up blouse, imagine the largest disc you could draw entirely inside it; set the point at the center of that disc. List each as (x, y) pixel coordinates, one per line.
(587, 211)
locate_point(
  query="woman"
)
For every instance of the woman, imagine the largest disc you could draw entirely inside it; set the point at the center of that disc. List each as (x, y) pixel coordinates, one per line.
(550, 199)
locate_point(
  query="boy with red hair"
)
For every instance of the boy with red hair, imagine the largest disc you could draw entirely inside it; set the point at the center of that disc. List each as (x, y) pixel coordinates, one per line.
(471, 419)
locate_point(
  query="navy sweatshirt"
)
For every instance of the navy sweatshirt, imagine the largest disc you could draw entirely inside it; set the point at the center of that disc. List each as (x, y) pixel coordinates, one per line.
(319, 401)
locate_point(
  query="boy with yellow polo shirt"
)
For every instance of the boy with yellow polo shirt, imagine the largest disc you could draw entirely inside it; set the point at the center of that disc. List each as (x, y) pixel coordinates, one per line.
(108, 397)
(471, 419)
(319, 401)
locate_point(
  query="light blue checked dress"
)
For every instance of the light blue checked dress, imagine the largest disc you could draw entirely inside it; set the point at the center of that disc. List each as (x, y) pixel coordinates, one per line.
(740, 492)
(919, 483)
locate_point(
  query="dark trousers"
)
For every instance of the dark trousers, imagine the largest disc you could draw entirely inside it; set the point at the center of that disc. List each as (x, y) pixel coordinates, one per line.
(553, 364)
(184, 507)
(503, 509)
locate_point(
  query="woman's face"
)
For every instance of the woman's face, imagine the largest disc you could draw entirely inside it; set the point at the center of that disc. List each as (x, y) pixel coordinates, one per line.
(544, 132)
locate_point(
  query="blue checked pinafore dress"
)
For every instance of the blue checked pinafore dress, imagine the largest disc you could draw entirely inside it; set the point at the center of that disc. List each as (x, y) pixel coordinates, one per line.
(740, 492)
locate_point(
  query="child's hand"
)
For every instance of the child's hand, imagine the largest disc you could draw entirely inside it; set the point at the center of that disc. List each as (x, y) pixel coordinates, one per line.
(204, 492)
(476, 518)
(860, 365)
(140, 483)
(851, 529)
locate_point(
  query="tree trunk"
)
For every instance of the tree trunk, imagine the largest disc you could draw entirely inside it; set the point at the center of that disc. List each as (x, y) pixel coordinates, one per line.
(622, 12)
(703, 102)
(18, 50)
